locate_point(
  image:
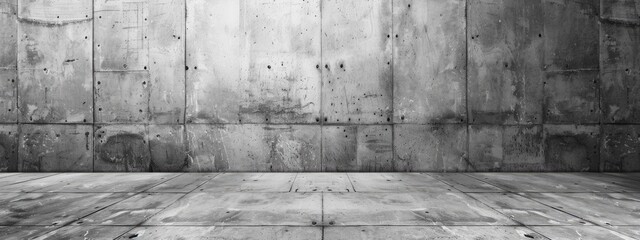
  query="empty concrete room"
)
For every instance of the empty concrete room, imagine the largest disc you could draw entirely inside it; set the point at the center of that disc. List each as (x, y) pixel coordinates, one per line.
(320, 119)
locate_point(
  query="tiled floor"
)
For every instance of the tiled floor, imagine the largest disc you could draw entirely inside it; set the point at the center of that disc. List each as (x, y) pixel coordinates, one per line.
(320, 206)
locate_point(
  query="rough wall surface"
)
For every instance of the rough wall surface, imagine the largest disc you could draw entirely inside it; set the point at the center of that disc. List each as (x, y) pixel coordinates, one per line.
(319, 85)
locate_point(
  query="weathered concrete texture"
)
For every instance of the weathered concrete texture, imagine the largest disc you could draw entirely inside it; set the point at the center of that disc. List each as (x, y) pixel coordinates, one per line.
(8, 96)
(505, 61)
(435, 232)
(121, 31)
(506, 148)
(571, 97)
(8, 148)
(570, 34)
(430, 148)
(581, 232)
(357, 148)
(485, 147)
(226, 232)
(266, 71)
(122, 97)
(429, 53)
(55, 148)
(8, 34)
(571, 148)
(122, 148)
(218, 65)
(357, 56)
(627, 11)
(523, 148)
(168, 148)
(249, 147)
(620, 72)
(620, 149)
(167, 61)
(55, 69)
(59, 11)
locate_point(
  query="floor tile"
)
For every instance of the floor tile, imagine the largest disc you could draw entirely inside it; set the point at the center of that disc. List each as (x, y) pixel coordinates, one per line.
(184, 183)
(15, 183)
(600, 208)
(51, 209)
(85, 232)
(132, 211)
(225, 232)
(250, 182)
(430, 232)
(580, 232)
(23, 232)
(322, 182)
(397, 182)
(611, 182)
(631, 231)
(465, 183)
(108, 182)
(635, 176)
(526, 211)
(202, 208)
(3, 175)
(537, 182)
(408, 209)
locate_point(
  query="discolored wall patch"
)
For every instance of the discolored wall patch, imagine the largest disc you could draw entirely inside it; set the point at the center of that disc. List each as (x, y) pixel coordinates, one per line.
(357, 54)
(429, 54)
(571, 97)
(620, 148)
(251, 147)
(357, 148)
(122, 148)
(8, 148)
(55, 148)
(438, 148)
(8, 96)
(122, 97)
(621, 10)
(505, 61)
(168, 148)
(8, 34)
(571, 148)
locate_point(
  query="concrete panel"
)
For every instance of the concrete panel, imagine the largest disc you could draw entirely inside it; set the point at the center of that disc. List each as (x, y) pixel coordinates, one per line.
(122, 97)
(8, 34)
(604, 209)
(184, 183)
(57, 12)
(167, 61)
(8, 148)
(396, 182)
(573, 44)
(121, 29)
(621, 10)
(619, 61)
(541, 182)
(8, 96)
(571, 148)
(620, 149)
(580, 232)
(416, 208)
(486, 152)
(465, 183)
(55, 148)
(89, 232)
(278, 58)
(429, 58)
(215, 68)
(55, 71)
(226, 232)
(302, 209)
(523, 149)
(168, 148)
(357, 148)
(571, 97)
(104, 182)
(122, 148)
(430, 148)
(131, 211)
(250, 182)
(505, 61)
(435, 232)
(253, 147)
(322, 182)
(357, 56)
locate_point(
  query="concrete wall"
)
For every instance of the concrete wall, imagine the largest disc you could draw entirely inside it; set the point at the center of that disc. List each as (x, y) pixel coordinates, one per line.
(320, 85)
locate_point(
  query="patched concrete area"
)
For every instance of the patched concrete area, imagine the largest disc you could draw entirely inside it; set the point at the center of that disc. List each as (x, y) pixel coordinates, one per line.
(285, 206)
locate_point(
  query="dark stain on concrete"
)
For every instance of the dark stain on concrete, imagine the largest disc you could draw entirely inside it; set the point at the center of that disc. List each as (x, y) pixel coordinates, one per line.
(571, 148)
(127, 152)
